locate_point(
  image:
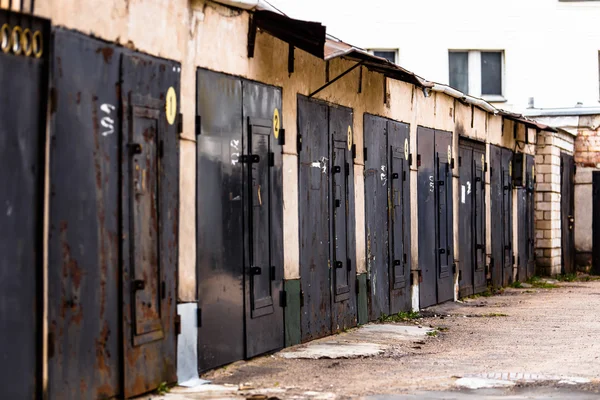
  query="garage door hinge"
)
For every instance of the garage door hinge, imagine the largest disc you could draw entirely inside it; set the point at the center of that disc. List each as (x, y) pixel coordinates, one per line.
(454, 268)
(364, 154)
(177, 324)
(299, 143)
(283, 299)
(353, 151)
(302, 298)
(410, 159)
(404, 176)
(271, 159)
(199, 317)
(452, 163)
(459, 161)
(272, 272)
(347, 166)
(180, 123)
(485, 167)
(281, 138)
(357, 286)
(418, 160)
(198, 125)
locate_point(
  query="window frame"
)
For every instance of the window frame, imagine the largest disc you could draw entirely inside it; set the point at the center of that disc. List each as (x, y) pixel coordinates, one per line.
(474, 77)
(395, 51)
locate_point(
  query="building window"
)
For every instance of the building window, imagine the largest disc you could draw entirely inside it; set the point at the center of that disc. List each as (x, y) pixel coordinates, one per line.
(390, 55)
(478, 73)
(459, 70)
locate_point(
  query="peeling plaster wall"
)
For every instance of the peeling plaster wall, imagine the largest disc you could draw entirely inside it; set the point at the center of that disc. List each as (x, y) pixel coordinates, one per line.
(204, 34)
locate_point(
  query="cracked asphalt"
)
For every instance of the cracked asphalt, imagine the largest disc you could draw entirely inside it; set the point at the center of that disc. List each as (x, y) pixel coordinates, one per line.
(544, 342)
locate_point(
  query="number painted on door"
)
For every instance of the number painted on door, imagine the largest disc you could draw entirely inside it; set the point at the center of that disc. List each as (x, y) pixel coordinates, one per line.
(406, 149)
(171, 105)
(276, 123)
(431, 184)
(349, 137)
(106, 121)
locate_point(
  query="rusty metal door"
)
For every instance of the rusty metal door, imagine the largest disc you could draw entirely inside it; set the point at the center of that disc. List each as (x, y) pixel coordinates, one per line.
(23, 95)
(525, 210)
(567, 212)
(150, 203)
(471, 164)
(445, 228)
(501, 208)
(426, 196)
(479, 234)
(399, 216)
(387, 211)
(466, 211)
(596, 222)
(84, 302)
(327, 231)
(530, 214)
(313, 200)
(376, 214)
(262, 166)
(343, 231)
(507, 217)
(220, 215)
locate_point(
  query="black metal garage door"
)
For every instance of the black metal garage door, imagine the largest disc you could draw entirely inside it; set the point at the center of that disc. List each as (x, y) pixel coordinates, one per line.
(327, 227)
(387, 209)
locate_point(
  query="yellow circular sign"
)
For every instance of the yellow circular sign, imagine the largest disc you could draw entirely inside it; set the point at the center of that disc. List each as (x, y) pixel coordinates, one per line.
(449, 153)
(276, 123)
(406, 149)
(349, 137)
(171, 105)
(482, 160)
(510, 168)
(533, 171)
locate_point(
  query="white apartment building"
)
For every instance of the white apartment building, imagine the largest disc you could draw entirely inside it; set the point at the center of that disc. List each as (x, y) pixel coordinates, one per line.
(515, 54)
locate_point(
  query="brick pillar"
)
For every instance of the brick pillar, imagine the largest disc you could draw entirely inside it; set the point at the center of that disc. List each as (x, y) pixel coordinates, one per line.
(547, 204)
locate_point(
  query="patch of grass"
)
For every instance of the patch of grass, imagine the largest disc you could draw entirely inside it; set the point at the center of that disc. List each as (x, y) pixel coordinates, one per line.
(402, 316)
(538, 283)
(590, 278)
(566, 277)
(432, 333)
(442, 328)
(163, 388)
(487, 293)
(491, 315)
(516, 285)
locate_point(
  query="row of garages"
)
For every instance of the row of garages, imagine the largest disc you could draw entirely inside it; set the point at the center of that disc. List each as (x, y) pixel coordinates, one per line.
(175, 208)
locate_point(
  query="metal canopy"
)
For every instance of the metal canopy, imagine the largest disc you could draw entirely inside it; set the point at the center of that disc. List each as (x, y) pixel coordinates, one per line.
(337, 48)
(308, 36)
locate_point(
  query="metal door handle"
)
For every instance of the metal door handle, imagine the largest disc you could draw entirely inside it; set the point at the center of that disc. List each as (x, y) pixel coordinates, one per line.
(255, 271)
(138, 284)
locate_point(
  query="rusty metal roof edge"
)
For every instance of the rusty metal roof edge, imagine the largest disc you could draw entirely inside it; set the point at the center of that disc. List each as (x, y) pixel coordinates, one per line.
(365, 55)
(486, 106)
(249, 5)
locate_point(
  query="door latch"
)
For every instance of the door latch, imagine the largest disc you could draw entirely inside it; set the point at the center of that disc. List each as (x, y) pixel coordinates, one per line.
(250, 158)
(338, 264)
(336, 169)
(138, 284)
(135, 148)
(255, 270)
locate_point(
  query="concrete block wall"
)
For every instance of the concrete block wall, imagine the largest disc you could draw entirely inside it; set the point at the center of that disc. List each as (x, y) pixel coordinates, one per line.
(548, 199)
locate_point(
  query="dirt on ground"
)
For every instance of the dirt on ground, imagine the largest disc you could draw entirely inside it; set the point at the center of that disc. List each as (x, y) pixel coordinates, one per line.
(526, 332)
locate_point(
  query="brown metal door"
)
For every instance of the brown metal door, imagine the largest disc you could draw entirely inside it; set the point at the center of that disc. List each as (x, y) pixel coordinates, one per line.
(567, 212)
(150, 203)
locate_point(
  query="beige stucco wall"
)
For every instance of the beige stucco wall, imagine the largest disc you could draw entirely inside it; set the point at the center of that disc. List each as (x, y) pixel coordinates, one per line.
(204, 34)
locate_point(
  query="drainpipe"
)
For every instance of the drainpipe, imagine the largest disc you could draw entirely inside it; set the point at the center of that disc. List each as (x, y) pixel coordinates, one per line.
(248, 5)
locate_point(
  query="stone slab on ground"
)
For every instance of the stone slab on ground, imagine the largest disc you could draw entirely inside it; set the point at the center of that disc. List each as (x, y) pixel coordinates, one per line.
(367, 341)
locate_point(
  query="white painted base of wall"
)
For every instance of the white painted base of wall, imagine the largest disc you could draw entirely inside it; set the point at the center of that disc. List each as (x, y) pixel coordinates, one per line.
(187, 340)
